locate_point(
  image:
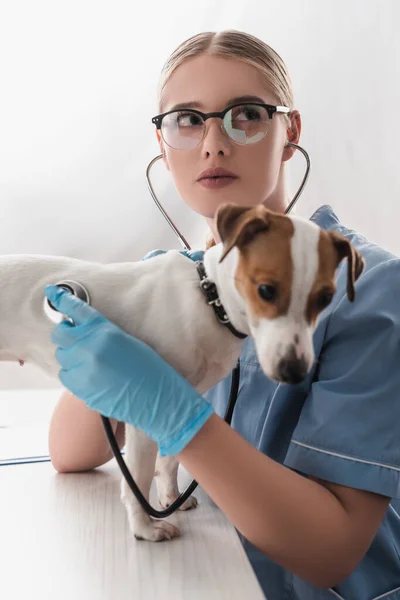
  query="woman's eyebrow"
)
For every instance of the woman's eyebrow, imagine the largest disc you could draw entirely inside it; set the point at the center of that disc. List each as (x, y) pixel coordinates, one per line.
(199, 105)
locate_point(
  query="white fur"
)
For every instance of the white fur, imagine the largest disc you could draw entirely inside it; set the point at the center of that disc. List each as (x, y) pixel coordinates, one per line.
(159, 301)
(275, 338)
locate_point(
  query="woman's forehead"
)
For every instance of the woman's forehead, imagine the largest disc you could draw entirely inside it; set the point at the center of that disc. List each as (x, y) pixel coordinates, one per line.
(210, 83)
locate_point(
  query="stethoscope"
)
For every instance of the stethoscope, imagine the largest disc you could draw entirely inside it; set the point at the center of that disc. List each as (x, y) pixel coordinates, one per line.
(79, 290)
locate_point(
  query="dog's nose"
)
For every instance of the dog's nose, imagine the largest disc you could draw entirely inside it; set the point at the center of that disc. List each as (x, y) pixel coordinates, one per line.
(292, 370)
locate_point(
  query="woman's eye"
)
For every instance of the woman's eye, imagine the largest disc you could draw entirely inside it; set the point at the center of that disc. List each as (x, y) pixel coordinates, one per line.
(247, 113)
(188, 120)
(324, 299)
(267, 292)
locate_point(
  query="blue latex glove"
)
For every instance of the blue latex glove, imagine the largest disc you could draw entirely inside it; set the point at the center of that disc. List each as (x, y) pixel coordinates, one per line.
(122, 377)
(194, 255)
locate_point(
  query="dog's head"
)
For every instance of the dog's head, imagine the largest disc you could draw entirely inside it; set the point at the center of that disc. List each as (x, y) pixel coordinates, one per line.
(284, 269)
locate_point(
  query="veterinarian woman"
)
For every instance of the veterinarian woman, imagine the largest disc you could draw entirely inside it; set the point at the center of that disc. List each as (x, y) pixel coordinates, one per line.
(309, 474)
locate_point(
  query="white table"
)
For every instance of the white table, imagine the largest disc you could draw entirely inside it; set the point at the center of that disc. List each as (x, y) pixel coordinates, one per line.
(66, 537)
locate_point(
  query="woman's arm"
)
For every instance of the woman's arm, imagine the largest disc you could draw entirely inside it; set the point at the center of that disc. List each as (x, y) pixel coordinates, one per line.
(319, 532)
(314, 528)
(77, 440)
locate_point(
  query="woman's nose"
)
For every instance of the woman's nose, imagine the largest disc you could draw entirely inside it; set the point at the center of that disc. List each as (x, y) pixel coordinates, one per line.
(215, 140)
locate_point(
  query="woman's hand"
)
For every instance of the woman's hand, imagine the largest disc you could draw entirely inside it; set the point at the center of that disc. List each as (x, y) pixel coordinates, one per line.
(122, 377)
(194, 255)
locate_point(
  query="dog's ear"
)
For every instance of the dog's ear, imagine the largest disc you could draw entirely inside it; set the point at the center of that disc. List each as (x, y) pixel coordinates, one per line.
(237, 225)
(355, 264)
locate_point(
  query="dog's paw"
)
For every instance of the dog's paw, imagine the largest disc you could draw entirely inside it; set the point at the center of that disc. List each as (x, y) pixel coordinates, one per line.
(191, 502)
(155, 531)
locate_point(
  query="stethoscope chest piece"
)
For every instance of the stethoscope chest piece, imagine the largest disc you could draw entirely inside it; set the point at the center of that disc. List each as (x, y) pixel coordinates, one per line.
(77, 289)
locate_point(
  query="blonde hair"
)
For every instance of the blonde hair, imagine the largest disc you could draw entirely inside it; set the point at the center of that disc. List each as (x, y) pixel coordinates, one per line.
(236, 45)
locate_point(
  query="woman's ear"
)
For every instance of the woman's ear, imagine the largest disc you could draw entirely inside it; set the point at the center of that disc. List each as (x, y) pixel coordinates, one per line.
(292, 134)
(162, 148)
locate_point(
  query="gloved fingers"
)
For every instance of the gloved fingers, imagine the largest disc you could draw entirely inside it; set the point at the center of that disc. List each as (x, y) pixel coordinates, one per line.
(67, 359)
(68, 380)
(65, 334)
(70, 305)
(153, 253)
(194, 255)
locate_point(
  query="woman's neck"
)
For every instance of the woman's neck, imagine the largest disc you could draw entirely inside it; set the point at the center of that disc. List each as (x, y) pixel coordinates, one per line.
(277, 201)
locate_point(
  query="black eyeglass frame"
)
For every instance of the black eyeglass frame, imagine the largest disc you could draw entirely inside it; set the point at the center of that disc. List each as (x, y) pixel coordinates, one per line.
(270, 108)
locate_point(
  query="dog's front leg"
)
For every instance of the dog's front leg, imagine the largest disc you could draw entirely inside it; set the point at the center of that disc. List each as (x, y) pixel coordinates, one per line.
(140, 458)
(167, 483)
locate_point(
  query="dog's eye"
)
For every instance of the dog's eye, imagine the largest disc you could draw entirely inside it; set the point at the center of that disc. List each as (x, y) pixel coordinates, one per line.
(267, 292)
(324, 299)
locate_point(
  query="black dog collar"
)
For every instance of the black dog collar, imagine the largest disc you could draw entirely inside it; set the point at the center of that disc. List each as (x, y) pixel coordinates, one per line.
(209, 289)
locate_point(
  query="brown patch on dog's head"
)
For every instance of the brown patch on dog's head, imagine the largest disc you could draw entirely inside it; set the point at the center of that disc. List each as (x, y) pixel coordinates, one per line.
(263, 239)
(238, 225)
(332, 249)
(338, 248)
(355, 261)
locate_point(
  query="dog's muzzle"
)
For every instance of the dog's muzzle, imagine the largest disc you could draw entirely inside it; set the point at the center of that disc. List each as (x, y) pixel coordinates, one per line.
(77, 289)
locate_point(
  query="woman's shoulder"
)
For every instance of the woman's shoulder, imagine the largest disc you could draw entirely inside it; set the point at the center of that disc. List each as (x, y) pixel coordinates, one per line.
(380, 263)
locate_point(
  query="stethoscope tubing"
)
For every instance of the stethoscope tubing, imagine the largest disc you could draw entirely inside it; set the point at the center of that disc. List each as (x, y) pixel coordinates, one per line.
(183, 241)
(160, 514)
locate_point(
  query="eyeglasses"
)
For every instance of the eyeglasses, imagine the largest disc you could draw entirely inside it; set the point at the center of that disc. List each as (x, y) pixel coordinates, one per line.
(244, 124)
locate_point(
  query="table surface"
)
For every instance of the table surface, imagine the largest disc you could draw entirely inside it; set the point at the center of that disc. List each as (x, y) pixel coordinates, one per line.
(66, 536)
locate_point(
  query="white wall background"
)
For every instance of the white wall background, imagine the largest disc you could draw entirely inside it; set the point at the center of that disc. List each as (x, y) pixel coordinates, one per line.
(78, 86)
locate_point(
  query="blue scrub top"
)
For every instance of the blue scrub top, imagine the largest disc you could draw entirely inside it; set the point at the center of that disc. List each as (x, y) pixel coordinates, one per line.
(342, 424)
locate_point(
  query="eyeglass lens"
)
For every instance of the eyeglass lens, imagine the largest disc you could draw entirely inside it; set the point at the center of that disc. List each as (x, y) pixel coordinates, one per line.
(245, 124)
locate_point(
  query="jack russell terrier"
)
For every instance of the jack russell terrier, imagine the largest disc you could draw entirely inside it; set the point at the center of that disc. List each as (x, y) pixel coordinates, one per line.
(273, 273)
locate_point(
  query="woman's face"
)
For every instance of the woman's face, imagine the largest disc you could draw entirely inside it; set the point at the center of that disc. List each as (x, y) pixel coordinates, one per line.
(209, 83)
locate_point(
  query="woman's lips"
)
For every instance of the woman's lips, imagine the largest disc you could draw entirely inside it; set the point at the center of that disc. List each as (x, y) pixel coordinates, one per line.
(215, 183)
